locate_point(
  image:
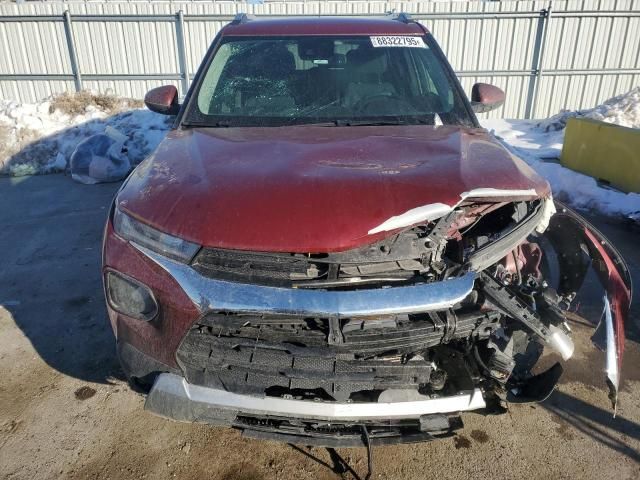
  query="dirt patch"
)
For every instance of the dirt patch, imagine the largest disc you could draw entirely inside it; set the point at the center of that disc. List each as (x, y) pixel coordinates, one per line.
(26, 387)
(77, 103)
(242, 472)
(460, 441)
(564, 431)
(480, 436)
(11, 426)
(84, 393)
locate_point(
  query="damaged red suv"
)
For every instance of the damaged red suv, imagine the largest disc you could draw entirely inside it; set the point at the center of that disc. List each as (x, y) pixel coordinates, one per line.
(327, 249)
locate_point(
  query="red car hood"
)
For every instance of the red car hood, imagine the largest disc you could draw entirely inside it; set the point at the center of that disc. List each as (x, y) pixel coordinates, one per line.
(312, 189)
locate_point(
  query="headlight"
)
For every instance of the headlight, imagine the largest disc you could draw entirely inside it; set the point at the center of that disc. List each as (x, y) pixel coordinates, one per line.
(148, 237)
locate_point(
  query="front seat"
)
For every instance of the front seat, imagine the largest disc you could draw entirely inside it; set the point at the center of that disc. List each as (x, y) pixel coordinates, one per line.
(366, 68)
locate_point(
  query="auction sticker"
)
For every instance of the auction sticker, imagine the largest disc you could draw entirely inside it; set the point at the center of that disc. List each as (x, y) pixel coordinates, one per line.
(398, 41)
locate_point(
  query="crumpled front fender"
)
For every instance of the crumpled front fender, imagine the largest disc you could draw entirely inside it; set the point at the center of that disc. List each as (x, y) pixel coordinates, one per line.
(579, 245)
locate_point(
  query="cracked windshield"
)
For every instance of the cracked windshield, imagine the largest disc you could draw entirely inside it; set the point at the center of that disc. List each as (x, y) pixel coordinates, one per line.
(327, 80)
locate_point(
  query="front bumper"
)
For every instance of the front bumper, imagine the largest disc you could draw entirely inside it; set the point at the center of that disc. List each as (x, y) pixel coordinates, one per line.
(174, 398)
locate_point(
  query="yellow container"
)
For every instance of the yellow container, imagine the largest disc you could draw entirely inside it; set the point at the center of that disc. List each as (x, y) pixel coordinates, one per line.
(607, 152)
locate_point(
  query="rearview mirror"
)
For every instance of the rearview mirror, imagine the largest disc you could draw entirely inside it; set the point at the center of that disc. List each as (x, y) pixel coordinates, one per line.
(485, 97)
(163, 100)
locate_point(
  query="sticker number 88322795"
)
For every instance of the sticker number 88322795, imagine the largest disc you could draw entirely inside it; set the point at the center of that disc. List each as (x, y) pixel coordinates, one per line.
(398, 41)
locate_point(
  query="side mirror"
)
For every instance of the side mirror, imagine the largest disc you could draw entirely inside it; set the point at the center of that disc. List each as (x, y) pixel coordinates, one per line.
(485, 97)
(163, 100)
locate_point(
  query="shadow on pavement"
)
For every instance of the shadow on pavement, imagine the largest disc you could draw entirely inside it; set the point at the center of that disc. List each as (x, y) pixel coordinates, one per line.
(50, 281)
(50, 241)
(595, 422)
(338, 465)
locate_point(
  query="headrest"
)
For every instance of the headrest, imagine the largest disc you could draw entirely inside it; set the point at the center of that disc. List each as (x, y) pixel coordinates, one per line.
(278, 62)
(367, 60)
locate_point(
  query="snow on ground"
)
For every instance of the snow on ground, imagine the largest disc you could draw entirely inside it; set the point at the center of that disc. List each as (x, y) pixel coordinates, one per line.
(623, 110)
(539, 143)
(40, 138)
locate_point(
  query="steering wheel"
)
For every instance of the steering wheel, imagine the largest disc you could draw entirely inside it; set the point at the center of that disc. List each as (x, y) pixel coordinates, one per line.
(365, 103)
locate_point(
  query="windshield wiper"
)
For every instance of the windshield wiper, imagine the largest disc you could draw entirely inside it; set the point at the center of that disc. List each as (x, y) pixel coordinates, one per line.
(367, 123)
(346, 123)
(330, 123)
(375, 123)
(206, 124)
(326, 123)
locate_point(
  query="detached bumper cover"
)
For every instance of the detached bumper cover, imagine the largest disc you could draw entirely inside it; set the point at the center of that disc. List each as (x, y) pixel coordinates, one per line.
(572, 236)
(172, 397)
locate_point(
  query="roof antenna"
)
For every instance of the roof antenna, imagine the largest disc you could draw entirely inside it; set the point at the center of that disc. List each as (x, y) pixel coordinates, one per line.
(241, 18)
(400, 16)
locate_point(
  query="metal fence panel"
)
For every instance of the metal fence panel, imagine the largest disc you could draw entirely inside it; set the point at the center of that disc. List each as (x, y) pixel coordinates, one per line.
(546, 55)
(587, 55)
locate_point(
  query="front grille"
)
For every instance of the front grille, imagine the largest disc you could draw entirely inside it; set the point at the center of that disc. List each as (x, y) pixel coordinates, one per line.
(256, 268)
(399, 258)
(303, 357)
(348, 434)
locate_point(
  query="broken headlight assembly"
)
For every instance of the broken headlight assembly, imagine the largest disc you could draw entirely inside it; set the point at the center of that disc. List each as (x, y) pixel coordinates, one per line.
(148, 237)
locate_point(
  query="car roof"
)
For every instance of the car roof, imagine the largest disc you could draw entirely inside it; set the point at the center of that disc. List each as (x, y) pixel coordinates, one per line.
(323, 25)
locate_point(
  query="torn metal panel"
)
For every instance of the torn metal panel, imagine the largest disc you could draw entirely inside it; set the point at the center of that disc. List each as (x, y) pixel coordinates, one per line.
(498, 192)
(427, 213)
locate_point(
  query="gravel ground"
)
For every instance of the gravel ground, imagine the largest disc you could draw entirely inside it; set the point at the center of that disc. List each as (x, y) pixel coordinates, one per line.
(66, 412)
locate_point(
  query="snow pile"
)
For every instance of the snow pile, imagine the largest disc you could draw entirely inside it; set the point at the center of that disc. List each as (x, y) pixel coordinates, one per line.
(539, 143)
(40, 138)
(622, 110)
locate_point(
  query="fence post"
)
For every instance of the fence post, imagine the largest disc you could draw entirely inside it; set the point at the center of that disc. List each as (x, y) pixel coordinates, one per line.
(73, 57)
(182, 56)
(536, 64)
